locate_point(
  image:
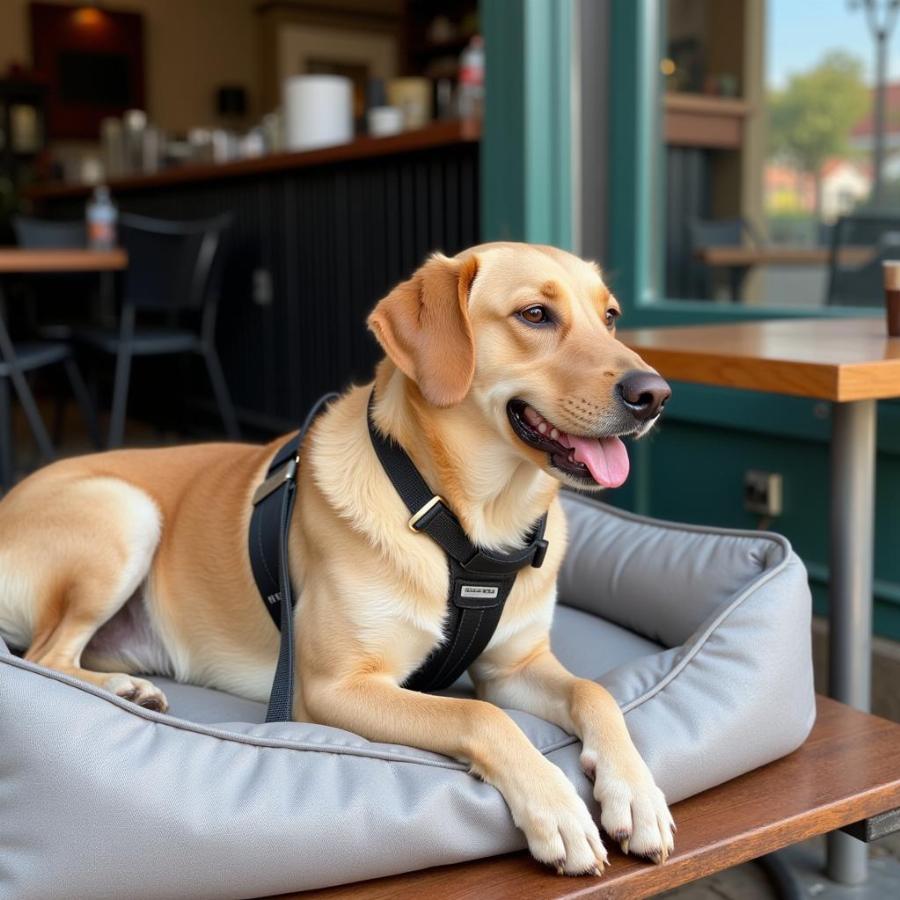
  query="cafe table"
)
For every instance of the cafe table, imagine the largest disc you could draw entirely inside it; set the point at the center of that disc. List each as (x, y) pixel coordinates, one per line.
(781, 255)
(19, 261)
(851, 364)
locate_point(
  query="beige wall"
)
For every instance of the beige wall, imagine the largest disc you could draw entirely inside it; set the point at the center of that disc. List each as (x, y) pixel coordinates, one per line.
(191, 47)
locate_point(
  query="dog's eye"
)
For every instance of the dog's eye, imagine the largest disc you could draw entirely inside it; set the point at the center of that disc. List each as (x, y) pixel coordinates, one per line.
(611, 316)
(535, 315)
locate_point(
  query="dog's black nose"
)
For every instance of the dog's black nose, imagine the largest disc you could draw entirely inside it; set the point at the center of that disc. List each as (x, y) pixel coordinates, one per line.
(644, 393)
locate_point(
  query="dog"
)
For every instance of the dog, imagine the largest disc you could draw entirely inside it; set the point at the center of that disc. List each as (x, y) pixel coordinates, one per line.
(502, 379)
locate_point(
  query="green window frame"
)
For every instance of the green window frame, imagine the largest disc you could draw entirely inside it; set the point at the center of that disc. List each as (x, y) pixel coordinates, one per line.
(636, 182)
(529, 177)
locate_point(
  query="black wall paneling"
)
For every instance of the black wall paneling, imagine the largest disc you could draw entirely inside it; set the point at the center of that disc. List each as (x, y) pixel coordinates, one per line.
(688, 178)
(332, 240)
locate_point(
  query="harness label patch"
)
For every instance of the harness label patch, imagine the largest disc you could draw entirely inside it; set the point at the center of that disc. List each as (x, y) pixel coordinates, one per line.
(475, 590)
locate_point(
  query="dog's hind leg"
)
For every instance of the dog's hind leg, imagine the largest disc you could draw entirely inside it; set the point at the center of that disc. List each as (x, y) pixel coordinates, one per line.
(97, 542)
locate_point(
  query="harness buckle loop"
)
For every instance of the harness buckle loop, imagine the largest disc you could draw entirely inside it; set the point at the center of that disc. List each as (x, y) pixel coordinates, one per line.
(286, 473)
(416, 516)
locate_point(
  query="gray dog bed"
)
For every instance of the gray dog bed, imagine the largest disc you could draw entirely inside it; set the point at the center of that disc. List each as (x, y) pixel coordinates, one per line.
(702, 636)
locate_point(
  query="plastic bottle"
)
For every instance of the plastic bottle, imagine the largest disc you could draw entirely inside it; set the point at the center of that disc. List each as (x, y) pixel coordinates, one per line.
(470, 100)
(101, 219)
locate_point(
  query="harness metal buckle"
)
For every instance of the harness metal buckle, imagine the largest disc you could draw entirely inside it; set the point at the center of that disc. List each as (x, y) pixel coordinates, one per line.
(286, 473)
(416, 516)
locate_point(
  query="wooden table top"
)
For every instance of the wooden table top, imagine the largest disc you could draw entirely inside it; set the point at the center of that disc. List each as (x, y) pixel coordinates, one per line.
(781, 256)
(828, 359)
(848, 769)
(17, 261)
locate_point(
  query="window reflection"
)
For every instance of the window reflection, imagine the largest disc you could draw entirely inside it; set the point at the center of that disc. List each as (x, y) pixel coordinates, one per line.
(782, 172)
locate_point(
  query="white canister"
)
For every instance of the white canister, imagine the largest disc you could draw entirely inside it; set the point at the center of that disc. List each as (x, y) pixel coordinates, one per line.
(318, 111)
(384, 121)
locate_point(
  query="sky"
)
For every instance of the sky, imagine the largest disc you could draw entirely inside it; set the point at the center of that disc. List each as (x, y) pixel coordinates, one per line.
(801, 31)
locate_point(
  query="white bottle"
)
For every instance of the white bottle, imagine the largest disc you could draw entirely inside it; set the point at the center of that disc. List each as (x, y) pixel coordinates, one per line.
(101, 219)
(470, 99)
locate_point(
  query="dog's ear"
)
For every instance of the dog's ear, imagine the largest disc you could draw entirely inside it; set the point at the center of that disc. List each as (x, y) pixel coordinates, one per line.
(423, 326)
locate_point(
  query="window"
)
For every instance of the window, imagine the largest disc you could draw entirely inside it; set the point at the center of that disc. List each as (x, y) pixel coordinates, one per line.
(781, 188)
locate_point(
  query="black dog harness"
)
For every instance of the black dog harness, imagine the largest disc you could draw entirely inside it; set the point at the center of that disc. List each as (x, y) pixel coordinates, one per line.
(480, 580)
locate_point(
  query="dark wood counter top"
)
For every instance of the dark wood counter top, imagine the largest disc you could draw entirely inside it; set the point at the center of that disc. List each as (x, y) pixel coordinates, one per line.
(436, 135)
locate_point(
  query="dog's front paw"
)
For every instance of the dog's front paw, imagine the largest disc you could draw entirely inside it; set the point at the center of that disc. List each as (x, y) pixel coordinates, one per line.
(633, 810)
(558, 826)
(138, 690)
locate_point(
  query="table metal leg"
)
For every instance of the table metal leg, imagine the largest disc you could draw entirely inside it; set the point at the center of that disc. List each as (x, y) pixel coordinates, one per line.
(851, 553)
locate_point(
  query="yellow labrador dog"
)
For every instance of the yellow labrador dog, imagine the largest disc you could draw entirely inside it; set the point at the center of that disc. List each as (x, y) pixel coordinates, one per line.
(502, 379)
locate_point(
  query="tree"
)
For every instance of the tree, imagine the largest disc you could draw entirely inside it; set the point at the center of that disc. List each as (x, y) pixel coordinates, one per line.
(811, 118)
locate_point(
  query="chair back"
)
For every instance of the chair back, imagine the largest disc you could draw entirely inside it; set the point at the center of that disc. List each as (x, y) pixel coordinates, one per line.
(46, 234)
(172, 266)
(855, 282)
(721, 233)
(715, 233)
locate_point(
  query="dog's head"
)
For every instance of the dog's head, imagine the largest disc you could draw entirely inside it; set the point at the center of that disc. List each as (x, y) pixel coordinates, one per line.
(527, 335)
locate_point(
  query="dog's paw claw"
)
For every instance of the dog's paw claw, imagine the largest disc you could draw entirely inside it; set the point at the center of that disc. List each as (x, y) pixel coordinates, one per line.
(634, 811)
(153, 703)
(137, 690)
(560, 831)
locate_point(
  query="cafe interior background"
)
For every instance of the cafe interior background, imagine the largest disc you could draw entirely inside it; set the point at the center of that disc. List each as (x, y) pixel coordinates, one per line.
(723, 159)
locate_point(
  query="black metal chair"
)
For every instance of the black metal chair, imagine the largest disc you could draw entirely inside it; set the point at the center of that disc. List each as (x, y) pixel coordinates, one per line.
(173, 276)
(724, 233)
(15, 361)
(49, 234)
(854, 282)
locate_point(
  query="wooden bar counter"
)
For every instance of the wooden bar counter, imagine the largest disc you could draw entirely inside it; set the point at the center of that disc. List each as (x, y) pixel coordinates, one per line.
(319, 237)
(440, 134)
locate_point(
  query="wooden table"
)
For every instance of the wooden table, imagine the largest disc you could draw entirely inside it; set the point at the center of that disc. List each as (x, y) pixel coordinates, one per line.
(851, 363)
(15, 261)
(781, 256)
(848, 770)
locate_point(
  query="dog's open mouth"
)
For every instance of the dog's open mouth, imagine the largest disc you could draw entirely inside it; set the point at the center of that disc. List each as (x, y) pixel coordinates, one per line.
(603, 460)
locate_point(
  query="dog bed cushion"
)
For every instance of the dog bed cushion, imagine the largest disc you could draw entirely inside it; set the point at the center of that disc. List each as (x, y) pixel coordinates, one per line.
(695, 632)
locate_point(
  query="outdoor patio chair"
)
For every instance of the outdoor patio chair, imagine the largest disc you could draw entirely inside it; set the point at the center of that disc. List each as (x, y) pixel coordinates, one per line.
(724, 233)
(861, 284)
(702, 635)
(18, 359)
(173, 275)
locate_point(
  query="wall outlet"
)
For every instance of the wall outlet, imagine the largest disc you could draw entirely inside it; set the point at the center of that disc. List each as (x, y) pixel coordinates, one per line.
(763, 492)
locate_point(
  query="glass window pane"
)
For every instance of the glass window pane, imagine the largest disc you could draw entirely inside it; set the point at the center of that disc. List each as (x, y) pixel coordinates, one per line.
(782, 178)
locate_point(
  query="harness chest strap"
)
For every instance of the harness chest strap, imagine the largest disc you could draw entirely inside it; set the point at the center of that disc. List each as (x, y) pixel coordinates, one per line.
(479, 581)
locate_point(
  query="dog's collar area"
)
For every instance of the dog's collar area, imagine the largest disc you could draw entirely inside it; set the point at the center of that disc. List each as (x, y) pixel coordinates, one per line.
(430, 515)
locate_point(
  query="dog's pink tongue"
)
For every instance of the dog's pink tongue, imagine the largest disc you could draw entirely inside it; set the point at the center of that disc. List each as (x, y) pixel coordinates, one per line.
(606, 459)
